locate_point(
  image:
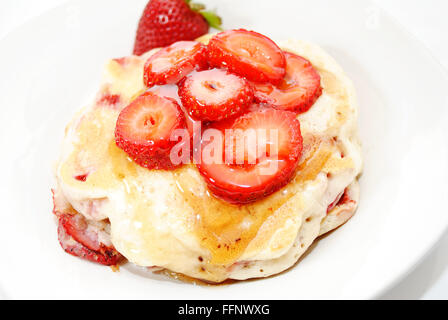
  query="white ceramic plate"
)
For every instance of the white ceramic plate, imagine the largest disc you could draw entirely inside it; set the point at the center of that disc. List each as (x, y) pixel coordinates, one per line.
(52, 65)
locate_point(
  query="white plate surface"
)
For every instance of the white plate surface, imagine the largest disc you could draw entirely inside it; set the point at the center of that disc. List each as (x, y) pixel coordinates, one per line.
(52, 65)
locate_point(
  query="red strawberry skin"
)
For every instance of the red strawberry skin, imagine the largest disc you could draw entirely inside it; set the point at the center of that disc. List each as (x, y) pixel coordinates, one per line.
(164, 22)
(198, 94)
(246, 183)
(249, 54)
(298, 90)
(232, 193)
(144, 128)
(75, 238)
(108, 257)
(171, 64)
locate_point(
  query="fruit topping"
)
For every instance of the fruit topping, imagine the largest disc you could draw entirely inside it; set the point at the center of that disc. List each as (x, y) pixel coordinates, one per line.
(164, 22)
(248, 54)
(171, 91)
(171, 64)
(81, 177)
(215, 95)
(77, 227)
(81, 237)
(243, 175)
(298, 90)
(144, 128)
(109, 99)
(104, 255)
(121, 61)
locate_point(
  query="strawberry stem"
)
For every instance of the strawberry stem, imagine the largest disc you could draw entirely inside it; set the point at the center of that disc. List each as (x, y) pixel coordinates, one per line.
(196, 6)
(212, 18)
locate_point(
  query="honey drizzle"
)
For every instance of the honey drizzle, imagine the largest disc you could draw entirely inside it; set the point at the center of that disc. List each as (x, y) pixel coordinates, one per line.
(122, 165)
(109, 164)
(215, 222)
(225, 229)
(317, 152)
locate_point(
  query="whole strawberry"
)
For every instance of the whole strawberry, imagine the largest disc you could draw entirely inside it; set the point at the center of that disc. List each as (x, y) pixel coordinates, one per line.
(164, 22)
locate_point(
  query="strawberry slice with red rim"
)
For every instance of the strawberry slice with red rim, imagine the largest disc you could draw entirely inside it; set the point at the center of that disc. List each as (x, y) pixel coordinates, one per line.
(144, 128)
(248, 54)
(76, 226)
(171, 91)
(81, 238)
(246, 181)
(172, 63)
(164, 22)
(107, 256)
(297, 91)
(215, 94)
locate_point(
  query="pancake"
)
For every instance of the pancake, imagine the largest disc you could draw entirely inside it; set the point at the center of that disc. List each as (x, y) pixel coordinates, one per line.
(168, 219)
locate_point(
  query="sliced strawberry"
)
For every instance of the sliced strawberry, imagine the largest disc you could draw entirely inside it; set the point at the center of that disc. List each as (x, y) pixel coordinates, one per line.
(215, 95)
(109, 99)
(298, 90)
(168, 91)
(171, 91)
(240, 185)
(171, 64)
(286, 144)
(76, 226)
(108, 256)
(244, 181)
(82, 177)
(144, 128)
(248, 54)
(81, 238)
(164, 22)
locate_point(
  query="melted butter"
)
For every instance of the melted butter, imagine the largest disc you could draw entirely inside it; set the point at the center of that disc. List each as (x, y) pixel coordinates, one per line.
(121, 165)
(317, 152)
(225, 229)
(95, 152)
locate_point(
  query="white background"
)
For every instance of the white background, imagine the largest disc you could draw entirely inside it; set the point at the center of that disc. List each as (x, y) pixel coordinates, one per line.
(426, 20)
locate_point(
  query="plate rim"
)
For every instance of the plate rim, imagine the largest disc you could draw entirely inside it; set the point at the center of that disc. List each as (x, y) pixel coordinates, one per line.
(435, 240)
